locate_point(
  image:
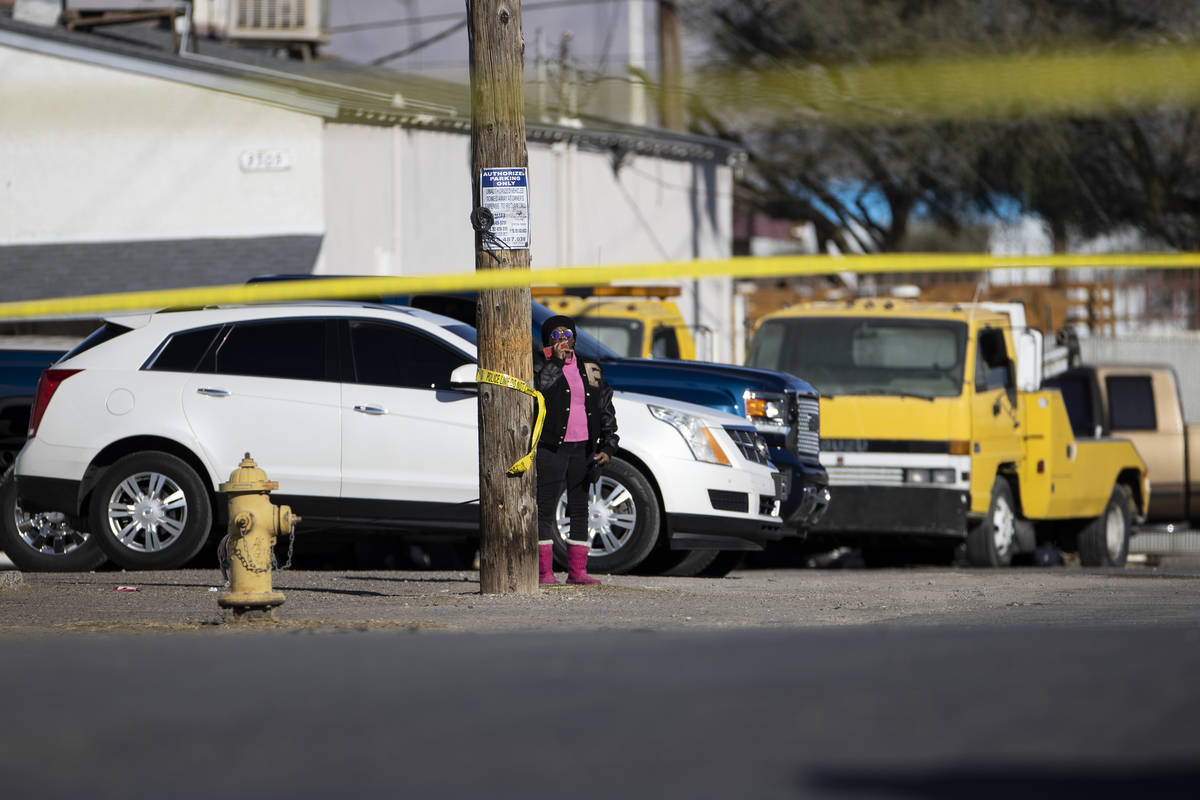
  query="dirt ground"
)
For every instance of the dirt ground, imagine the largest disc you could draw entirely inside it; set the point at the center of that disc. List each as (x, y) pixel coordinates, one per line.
(766, 598)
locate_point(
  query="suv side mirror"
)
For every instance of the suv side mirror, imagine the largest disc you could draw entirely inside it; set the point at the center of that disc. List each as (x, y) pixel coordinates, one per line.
(463, 378)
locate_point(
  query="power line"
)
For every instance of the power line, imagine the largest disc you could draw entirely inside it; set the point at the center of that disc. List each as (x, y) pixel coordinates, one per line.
(397, 23)
(421, 45)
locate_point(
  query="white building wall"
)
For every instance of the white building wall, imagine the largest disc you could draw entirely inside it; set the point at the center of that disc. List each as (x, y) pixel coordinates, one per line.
(402, 208)
(89, 153)
(434, 234)
(360, 207)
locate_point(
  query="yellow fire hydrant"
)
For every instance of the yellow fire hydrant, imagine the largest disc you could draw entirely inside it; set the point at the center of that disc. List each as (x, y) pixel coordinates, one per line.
(254, 525)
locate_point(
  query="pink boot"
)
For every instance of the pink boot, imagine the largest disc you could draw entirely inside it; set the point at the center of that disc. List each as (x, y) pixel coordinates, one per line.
(577, 555)
(546, 564)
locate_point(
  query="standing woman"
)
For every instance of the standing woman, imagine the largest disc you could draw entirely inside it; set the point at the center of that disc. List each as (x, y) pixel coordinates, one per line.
(579, 435)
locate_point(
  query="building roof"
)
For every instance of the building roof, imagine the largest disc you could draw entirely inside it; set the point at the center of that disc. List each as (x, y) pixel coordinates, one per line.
(30, 272)
(335, 89)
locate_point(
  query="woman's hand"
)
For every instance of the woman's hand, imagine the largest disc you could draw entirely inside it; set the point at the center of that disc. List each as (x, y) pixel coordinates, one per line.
(600, 458)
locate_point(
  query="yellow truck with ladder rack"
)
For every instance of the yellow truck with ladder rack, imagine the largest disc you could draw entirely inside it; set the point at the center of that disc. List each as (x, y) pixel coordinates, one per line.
(936, 430)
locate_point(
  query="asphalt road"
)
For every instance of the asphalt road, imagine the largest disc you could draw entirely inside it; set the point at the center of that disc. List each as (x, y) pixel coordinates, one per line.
(939, 683)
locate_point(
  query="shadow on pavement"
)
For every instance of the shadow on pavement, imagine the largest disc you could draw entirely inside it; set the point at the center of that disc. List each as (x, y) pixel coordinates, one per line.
(1090, 781)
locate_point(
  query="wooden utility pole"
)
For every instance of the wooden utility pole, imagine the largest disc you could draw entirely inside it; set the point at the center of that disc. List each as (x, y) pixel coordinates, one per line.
(499, 175)
(670, 67)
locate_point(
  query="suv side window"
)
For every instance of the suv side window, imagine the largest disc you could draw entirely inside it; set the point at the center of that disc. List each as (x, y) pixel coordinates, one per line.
(291, 348)
(391, 355)
(183, 350)
(1130, 403)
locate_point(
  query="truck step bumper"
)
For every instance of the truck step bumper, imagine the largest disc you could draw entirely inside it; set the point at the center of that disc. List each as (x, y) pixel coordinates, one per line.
(902, 511)
(1165, 543)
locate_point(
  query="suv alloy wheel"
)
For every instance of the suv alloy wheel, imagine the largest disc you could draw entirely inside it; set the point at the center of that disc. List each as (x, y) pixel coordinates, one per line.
(150, 511)
(623, 519)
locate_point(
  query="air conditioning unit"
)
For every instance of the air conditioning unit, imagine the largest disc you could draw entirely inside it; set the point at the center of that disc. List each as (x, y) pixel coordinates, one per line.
(298, 21)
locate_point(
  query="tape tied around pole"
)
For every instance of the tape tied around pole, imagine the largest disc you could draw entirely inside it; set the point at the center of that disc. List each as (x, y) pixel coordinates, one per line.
(501, 379)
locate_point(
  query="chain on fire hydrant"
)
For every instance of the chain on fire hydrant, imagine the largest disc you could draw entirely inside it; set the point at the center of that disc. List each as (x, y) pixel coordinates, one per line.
(254, 524)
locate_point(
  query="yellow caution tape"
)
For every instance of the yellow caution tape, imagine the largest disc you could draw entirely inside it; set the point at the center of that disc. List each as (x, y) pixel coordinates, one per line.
(1073, 81)
(500, 379)
(739, 267)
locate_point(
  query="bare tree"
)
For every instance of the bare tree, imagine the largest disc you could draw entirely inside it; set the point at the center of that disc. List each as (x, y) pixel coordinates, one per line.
(862, 186)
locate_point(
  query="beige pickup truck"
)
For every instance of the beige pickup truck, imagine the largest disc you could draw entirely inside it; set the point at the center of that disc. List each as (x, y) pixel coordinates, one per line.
(1141, 403)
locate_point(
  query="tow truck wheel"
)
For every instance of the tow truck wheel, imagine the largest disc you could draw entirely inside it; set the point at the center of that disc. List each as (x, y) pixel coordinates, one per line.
(623, 519)
(991, 542)
(1104, 542)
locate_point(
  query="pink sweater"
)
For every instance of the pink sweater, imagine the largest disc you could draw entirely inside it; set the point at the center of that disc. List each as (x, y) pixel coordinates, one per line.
(577, 427)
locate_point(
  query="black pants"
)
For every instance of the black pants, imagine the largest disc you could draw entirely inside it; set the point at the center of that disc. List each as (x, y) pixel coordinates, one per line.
(564, 466)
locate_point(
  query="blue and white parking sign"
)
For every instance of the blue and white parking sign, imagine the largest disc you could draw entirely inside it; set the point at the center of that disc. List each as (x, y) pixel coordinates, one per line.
(505, 192)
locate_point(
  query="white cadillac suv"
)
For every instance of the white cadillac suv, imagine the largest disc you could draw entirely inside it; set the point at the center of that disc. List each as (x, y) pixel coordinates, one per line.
(351, 408)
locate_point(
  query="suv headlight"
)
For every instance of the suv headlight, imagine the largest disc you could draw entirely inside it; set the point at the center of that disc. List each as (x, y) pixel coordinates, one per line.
(766, 409)
(699, 438)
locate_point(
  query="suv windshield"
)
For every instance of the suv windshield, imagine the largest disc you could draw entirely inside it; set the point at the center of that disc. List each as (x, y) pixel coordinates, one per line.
(586, 345)
(867, 355)
(624, 336)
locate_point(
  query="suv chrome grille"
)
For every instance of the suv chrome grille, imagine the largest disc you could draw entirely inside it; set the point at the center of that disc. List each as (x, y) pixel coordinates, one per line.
(752, 446)
(805, 422)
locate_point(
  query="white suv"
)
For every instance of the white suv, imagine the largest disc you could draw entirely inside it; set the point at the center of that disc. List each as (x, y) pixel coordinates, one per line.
(351, 408)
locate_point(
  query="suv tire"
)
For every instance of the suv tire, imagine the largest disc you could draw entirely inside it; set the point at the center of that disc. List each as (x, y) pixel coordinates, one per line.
(43, 542)
(626, 509)
(150, 511)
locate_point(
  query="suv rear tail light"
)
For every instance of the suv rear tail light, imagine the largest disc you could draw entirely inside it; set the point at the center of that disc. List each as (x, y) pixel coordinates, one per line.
(47, 385)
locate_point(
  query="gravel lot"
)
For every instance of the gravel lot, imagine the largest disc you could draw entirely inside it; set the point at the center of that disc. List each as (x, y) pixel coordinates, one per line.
(450, 601)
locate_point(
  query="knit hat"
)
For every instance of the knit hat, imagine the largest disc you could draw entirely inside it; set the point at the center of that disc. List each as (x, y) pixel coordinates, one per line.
(557, 321)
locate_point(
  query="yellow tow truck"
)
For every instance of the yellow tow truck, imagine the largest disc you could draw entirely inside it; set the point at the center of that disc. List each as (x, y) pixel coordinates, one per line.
(634, 321)
(936, 430)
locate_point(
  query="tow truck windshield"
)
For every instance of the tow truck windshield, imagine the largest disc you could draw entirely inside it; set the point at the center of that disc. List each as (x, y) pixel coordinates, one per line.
(865, 355)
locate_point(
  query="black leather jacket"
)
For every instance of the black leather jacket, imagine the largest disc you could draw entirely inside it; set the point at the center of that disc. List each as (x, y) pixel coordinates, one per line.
(548, 379)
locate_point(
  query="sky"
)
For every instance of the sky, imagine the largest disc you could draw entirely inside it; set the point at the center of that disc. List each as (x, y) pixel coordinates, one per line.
(366, 30)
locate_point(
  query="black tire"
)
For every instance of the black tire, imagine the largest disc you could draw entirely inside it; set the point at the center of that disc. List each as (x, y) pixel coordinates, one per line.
(174, 531)
(624, 509)
(992, 542)
(43, 542)
(1104, 542)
